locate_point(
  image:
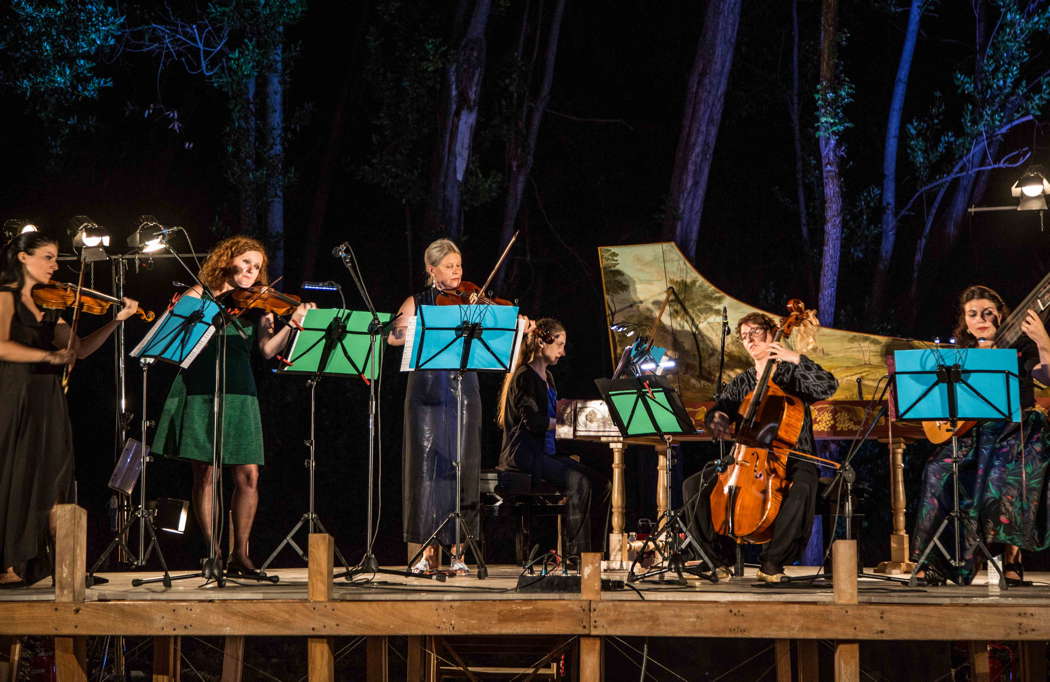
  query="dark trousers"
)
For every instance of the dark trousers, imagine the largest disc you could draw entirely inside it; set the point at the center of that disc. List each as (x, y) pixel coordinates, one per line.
(791, 528)
(578, 483)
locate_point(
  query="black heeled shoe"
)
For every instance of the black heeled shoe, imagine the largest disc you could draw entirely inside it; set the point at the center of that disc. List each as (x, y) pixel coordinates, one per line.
(235, 569)
(1017, 568)
(931, 578)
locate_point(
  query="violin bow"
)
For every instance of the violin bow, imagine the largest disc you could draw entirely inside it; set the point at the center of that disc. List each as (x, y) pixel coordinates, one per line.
(68, 369)
(499, 263)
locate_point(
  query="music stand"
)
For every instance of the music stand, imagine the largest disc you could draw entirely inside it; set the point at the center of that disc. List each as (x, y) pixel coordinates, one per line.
(332, 342)
(176, 338)
(960, 384)
(649, 406)
(463, 338)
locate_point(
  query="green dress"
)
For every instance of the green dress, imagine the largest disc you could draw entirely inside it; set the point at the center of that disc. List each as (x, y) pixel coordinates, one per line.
(184, 429)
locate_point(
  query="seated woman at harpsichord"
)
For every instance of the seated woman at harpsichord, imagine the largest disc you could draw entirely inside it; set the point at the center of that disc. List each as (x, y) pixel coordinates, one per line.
(1002, 481)
(527, 416)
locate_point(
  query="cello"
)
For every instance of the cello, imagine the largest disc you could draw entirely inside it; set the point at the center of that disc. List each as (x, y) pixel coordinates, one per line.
(747, 496)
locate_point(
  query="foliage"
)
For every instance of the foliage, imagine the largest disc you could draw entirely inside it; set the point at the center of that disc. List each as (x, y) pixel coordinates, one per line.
(831, 107)
(52, 51)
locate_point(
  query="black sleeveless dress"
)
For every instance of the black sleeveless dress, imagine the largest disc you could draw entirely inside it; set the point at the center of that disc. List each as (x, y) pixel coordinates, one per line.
(429, 450)
(36, 445)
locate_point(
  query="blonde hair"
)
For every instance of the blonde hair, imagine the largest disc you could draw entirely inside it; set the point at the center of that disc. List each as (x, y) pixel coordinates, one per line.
(545, 331)
(436, 252)
(216, 268)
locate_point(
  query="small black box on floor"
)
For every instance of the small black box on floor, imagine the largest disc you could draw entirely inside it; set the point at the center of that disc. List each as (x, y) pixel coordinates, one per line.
(552, 582)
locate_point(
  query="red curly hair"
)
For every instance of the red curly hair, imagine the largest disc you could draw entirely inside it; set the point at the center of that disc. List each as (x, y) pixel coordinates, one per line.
(216, 269)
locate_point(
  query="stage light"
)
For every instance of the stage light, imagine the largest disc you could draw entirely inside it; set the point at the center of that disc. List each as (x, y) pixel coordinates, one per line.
(171, 515)
(16, 226)
(89, 238)
(1031, 189)
(149, 236)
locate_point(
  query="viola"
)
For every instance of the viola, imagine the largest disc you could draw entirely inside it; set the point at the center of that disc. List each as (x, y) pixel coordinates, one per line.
(467, 293)
(747, 497)
(61, 295)
(266, 298)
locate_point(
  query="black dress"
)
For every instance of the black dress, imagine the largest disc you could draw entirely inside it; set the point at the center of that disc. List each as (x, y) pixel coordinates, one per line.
(36, 445)
(429, 450)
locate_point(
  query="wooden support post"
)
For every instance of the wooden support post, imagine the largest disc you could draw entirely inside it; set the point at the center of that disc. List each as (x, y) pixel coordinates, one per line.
(167, 659)
(233, 659)
(662, 503)
(899, 560)
(70, 576)
(432, 660)
(414, 658)
(980, 667)
(844, 580)
(782, 659)
(11, 649)
(617, 537)
(808, 660)
(591, 668)
(1033, 661)
(320, 663)
(378, 659)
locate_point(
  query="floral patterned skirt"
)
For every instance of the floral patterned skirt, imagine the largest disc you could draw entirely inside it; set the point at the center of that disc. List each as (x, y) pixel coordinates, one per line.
(1002, 493)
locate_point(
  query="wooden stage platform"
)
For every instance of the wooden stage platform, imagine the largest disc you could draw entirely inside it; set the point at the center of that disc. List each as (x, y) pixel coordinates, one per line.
(308, 603)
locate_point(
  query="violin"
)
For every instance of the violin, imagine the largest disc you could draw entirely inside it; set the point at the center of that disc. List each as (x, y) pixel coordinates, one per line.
(468, 293)
(747, 497)
(266, 298)
(61, 295)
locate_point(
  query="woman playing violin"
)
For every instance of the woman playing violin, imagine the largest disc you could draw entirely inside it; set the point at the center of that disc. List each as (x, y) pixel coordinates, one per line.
(429, 445)
(799, 376)
(184, 429)
(36, 441)
(1002, 481)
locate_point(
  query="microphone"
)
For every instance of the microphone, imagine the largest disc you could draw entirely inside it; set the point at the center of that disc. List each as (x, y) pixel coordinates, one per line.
(179, 285)
(320, 286)
(340, 250)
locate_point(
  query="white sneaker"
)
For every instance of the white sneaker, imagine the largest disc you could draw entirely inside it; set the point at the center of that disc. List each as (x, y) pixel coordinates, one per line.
(459, 567)
(422, 566)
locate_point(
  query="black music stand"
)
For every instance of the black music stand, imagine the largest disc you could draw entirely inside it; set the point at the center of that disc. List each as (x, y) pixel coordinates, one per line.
(980, 384)
(478, 338)
(649, 406)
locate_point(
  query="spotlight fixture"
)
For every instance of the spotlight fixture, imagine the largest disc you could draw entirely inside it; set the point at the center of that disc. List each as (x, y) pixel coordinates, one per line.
(1032, 189)
(89, 238)
(171, 514)
(149, 236)
(16, 226)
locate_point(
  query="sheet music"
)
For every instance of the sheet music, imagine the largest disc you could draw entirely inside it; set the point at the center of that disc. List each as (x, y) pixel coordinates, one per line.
(410, 344)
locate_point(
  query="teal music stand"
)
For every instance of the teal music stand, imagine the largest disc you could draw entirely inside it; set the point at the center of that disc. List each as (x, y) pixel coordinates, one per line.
(949, 385)
(649, 406)
(462, 338)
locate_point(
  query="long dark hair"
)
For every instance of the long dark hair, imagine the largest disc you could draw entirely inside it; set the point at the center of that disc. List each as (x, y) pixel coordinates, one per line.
(962, 334)
(12, 268)
(545, 331)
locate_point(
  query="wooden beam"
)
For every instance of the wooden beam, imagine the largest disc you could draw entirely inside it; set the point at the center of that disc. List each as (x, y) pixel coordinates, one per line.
(320, 657)
(808, 660)
(847, 662)
(414, 658)
(980, 666)
(167, 659)
(844, 571)
(1033, 661)
(11, 649)
(378, 659)
(233, 659)
(70, 553)
(591, 659)
(590, 649)
(782, 659)
(69, 665)
(433, 664)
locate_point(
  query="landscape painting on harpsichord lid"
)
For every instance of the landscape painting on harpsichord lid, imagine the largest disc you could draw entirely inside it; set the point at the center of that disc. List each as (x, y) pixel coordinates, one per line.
(638, 278)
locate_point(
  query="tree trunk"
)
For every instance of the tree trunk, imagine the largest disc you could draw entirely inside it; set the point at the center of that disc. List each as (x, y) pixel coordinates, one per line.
(830, 152)
(889, 163)
(462, 93)
(275, 157)
(246, 172)
(795, 112)
(522, 152)
(705, 97)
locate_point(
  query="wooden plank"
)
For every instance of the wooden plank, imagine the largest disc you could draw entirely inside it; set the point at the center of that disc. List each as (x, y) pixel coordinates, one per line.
(320, 657)
(378, 659)
(69, 666)
(70, 553)
(782, 659)
(591, 576)
(591, 659)
(233, 659)
(808, 660)
(433, 664)
(11, 650)
(618, 539)
(844, 571)
(1033, 661)
(847, 662)
(414, 659)
(980, 666)
(167, 659)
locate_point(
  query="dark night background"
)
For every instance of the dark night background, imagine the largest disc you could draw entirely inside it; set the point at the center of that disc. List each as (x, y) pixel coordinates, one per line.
(601, 176)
